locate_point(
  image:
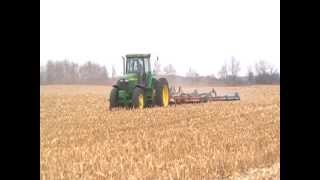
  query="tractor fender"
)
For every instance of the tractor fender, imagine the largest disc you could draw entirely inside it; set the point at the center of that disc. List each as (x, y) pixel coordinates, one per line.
(161, 79)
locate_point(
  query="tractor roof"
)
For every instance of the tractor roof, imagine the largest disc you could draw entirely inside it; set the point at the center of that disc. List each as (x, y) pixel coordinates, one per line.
(138, 55)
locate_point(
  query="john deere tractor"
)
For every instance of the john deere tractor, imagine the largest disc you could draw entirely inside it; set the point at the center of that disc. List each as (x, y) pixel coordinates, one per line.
(138, 87)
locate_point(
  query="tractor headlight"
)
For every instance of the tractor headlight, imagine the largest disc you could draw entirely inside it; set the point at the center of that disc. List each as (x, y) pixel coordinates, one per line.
(124, 80)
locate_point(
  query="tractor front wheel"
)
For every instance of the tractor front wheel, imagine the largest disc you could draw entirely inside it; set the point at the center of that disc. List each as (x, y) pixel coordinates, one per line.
(138, 98)
(113, 98)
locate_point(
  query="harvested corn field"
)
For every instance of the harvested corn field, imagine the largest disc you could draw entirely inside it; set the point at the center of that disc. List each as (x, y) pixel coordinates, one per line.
(82, 139)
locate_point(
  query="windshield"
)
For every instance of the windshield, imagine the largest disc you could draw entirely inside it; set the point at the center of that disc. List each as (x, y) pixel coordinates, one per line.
(134, 65)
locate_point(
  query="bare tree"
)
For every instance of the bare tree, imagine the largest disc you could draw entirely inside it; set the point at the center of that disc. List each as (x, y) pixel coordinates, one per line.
(266, 73)
(66, 72)
(261, 67)
(275, 75)
(43, 75)
(104, 74)
(169, 70)
(250, 75)
(93, 73)
(84, 72)
(223, 73)
(272, 70)
(234, 68)
(59, 72)
(74, 72)
(51, 72)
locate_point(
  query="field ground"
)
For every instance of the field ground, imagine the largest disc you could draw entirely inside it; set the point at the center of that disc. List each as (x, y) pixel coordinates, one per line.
(81, 139)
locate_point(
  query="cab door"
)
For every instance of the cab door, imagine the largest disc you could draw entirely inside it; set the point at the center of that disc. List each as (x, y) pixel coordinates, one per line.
(148, 73)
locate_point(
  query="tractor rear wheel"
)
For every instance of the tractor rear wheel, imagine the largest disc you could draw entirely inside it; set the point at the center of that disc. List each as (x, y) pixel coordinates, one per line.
(162, 92)
(138, 98)
(113, 98)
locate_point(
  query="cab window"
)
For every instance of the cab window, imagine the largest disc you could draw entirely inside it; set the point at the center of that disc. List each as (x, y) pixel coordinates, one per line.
(134, 65)
(147, 64)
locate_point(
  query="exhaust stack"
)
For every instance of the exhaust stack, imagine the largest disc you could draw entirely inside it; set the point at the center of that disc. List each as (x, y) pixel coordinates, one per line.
(124, 65)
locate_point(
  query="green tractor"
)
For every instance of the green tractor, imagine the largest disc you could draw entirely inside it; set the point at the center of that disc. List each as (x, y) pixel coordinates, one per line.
(138, 87)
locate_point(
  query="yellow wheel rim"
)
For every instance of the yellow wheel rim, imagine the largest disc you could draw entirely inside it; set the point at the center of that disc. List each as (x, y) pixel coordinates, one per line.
(165, 95)
(141, 101)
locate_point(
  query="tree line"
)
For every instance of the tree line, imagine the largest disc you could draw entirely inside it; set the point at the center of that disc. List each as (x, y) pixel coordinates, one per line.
(66, 72)
(263, 73)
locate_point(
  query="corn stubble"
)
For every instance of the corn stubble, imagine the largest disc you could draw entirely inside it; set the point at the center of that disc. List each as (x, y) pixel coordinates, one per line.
(81, 139)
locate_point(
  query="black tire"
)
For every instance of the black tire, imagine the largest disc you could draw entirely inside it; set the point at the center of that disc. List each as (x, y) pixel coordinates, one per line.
(135, 98)
(113, 98)
(161, 83)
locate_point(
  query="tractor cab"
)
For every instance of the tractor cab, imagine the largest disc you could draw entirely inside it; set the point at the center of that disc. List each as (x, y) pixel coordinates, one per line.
(138, 65)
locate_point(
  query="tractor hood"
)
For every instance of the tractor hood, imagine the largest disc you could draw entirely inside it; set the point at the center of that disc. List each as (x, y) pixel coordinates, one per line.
(127, 81)
(130, 77)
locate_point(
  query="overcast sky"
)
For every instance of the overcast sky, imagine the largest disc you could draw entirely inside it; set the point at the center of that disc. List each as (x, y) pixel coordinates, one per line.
(201, 34)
